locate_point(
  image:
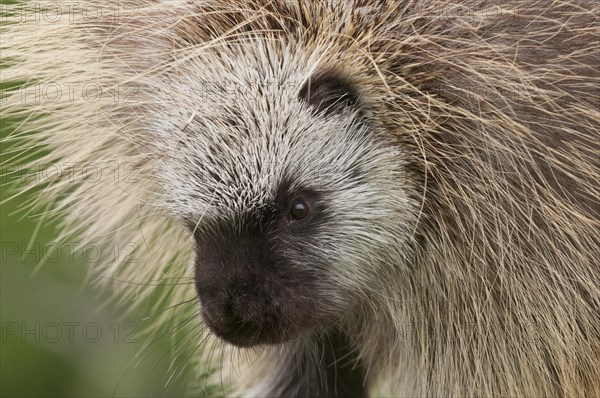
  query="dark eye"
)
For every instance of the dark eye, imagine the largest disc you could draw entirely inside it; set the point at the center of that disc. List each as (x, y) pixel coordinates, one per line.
(299, 210)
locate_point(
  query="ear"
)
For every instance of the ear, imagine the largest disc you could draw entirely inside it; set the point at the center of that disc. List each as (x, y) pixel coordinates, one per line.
(328, 94)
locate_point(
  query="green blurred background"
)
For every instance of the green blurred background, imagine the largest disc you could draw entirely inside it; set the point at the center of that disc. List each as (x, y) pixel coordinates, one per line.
(60, 338)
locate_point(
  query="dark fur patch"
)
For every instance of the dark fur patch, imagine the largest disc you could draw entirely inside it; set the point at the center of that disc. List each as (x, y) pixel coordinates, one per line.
(328, 94)
(333, 372)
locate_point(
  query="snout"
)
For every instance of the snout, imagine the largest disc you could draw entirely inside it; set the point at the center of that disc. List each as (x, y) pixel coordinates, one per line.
(243, 312)
(251, 294)
(255, 287)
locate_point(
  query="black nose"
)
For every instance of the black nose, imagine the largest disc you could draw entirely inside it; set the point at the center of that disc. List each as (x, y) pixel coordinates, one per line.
(238, 313)
(221, 315)
(231, 306)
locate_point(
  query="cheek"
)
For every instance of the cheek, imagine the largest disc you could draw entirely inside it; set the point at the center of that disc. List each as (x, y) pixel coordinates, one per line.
(369, 247)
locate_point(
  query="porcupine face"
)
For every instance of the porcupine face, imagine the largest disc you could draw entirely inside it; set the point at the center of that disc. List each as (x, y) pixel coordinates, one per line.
(295, 201)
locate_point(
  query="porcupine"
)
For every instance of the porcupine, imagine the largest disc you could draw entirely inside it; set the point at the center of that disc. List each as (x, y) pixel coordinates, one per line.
(375, 197)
